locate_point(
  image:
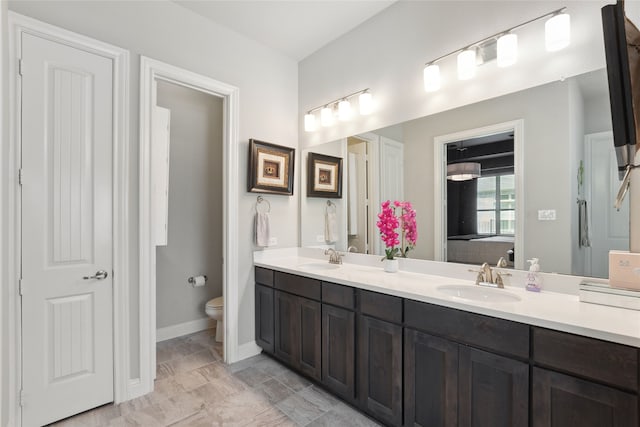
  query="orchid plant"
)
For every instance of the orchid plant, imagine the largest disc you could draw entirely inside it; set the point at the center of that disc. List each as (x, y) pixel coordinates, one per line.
(397, 244)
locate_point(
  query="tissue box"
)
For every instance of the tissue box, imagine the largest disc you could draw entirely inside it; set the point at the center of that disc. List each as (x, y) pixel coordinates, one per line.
(624, 269)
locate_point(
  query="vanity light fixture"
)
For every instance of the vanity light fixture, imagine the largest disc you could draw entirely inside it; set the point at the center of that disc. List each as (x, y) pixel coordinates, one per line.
(340, 108)
(557, 36)
(464, 171)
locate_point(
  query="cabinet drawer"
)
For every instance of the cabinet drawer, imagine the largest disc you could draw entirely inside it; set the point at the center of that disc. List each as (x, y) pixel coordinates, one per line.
(610, 363)
(385, 307)
(264, 276)
(298, 285)
(503, 336)
(342, 296)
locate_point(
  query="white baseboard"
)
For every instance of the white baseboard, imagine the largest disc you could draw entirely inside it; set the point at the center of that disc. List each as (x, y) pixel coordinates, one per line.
(248, 350)
(173, 331)
(136, 389)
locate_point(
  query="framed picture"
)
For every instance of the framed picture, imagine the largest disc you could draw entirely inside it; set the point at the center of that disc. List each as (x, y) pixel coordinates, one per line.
(324, 175)
(270, 168)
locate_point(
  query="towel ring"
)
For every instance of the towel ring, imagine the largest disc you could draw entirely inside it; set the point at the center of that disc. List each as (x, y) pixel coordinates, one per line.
(263, 200)
(330, 204)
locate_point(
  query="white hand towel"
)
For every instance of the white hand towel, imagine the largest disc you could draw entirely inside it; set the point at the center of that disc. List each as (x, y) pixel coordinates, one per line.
(330, 227)
(262, 229)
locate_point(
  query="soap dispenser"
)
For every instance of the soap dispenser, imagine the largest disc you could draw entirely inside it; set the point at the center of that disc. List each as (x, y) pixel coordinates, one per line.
(534, 281)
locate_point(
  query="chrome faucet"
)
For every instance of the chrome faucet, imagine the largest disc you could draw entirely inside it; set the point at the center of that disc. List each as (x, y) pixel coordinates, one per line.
(335, 257)
(352, 247)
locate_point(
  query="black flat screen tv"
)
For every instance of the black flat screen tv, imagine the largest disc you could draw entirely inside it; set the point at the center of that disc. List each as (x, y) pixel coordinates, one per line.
(622, 49)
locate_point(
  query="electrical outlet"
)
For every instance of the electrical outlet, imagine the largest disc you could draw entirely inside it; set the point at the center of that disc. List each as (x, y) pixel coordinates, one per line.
(273, 241)
(547, 215)
(320, 238)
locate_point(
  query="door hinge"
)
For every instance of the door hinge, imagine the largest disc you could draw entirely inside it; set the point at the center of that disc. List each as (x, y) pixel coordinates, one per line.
(21, 397)
(20, 287)
(20, 65)
(20, 176)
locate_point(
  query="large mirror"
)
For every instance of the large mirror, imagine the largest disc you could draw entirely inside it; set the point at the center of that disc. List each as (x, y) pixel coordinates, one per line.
(561, 208)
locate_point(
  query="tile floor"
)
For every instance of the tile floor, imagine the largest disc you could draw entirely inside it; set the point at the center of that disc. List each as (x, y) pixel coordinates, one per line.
(195, 388)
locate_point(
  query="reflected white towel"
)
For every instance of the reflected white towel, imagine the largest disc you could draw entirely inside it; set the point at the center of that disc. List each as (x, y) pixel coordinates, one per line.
(330, 227)
(262, 229)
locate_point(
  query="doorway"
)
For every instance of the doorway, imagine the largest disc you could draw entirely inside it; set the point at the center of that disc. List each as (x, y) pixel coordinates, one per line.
(441, 201)
(187, 175)
(151, 72)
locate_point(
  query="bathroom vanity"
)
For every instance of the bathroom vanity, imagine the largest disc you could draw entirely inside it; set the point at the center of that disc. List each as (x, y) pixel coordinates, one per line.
(405, 351)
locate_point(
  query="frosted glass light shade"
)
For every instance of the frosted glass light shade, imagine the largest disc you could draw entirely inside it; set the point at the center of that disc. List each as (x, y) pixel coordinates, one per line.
(365, 102)
(507, 50)
(344, 110)
(557, 32)
(432, 78)
(309, 122)
(467, 64)
(463, 171)
(326, 117)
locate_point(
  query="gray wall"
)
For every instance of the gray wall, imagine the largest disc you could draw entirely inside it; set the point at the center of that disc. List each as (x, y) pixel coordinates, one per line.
(268, 84)
(547, 173)
(195, 206)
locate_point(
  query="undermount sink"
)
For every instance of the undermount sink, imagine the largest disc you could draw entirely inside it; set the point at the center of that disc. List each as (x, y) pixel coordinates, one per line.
(319, 266)
(478, 293)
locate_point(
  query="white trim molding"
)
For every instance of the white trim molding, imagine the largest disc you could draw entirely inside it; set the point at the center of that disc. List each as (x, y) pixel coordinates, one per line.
(10, 262)
(440, 182)
(185, 328)
(151, 71)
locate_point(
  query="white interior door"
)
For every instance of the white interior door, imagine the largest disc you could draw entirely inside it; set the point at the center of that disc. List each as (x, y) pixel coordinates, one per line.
(67, 333)
(608, 228)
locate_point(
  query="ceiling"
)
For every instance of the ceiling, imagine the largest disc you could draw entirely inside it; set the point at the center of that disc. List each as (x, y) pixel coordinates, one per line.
(296, 28)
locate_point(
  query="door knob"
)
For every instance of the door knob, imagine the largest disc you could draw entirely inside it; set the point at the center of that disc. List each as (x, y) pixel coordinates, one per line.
(100, 275)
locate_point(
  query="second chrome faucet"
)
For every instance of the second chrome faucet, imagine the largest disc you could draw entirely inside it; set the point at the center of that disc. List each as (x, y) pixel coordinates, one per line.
(489, 277)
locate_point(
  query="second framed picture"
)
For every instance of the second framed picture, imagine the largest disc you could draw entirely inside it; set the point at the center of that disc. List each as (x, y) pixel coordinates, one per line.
(324, 176)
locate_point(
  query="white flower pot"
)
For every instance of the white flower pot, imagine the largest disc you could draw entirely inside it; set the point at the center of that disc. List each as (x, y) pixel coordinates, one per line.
(390, 265)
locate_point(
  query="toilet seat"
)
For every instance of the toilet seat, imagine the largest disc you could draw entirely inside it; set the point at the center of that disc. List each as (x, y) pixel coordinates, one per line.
(215, 303)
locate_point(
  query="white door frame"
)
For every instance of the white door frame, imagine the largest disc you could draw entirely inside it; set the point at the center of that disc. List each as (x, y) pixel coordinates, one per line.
(440, 190)
(10, 260)
(150, 71)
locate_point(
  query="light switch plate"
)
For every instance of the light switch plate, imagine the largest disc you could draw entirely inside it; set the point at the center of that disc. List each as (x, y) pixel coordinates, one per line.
(273, 241)
(546, 215)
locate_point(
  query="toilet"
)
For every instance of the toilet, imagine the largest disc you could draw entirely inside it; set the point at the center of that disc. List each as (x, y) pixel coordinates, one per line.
(214, 310)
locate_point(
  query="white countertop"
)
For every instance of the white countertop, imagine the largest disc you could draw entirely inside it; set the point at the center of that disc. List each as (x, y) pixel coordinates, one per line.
(553, 310)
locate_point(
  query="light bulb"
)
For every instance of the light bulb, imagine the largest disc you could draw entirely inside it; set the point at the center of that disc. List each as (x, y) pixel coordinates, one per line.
(431, 78)
(557, 32)
(326, 117)
(365, 102)
(309, 122)
(467, 64)
(344, 110)
(507, 50)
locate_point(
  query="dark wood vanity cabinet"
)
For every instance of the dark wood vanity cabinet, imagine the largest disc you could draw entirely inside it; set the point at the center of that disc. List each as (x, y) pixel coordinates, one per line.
(493, 390)
(298, 327)
(430, 380)
(380, 356)
(596, 385)
(561, 400)
(410, 363)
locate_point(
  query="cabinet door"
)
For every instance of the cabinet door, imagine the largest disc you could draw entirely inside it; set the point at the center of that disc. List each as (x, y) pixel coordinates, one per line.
(494, 390)
(338, 359)
(264, 318)
(560, 400)
(430, 380)
(286, 328)
(309, 337)
(380, 361)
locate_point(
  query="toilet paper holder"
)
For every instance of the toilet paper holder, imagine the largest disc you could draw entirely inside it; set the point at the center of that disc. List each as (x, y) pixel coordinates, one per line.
(192, 279)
